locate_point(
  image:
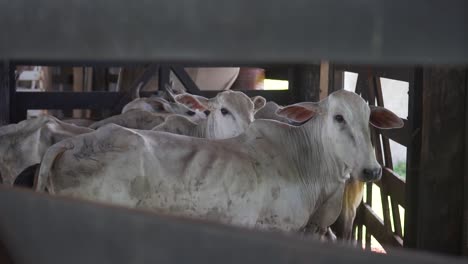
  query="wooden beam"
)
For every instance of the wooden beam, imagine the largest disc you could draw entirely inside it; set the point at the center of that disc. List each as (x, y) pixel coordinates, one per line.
(440, 186)
(53, 229)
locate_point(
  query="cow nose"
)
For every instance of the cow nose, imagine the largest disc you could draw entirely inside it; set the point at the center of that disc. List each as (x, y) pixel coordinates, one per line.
(372, 174)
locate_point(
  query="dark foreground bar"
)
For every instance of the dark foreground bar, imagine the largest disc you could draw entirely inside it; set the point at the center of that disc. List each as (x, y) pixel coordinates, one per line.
(241, 31)
(36, 228)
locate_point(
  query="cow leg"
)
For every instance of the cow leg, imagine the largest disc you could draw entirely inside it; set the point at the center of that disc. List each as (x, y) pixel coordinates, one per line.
(325, 215)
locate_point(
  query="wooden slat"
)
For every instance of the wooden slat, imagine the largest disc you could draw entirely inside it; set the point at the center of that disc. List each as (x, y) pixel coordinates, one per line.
(396, 185)
(377, 228)
(54, 230)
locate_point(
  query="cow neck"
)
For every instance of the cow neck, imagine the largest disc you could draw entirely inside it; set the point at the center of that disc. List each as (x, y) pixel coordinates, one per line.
(318, 170)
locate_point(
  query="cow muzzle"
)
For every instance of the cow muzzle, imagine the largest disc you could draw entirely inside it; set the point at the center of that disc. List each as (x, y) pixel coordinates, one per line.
(371, 175)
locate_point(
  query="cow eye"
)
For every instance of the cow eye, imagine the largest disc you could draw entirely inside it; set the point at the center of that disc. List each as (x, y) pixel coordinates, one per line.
(224, 111)
(339, 118)
(190, 113)
(207, 112)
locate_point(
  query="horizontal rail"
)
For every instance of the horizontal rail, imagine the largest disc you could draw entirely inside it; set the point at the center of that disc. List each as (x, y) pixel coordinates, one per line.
(38, 228)
(299, 31)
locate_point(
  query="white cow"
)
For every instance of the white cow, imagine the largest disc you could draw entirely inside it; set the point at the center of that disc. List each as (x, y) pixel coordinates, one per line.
(156, 104)
(23, 145)
(231, 112)
(137, 119)
(273, 176)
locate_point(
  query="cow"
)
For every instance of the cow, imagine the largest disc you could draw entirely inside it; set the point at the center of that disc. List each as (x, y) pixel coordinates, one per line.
(231, 112)
(135, 118)
(159, 105)
(274, 176)
(23, 145)
(269, 112)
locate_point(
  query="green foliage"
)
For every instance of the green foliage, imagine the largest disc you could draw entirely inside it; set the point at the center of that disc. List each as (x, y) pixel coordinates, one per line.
(400, 169)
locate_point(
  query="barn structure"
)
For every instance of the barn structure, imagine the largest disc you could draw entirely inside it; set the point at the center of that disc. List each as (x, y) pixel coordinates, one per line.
(310, 43)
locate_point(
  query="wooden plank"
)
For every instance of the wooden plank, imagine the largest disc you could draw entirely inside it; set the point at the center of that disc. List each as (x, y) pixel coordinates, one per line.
(53, 229)
(324, 79)
(394, 184)
(4, 93)
(441, 188)
(377, 228)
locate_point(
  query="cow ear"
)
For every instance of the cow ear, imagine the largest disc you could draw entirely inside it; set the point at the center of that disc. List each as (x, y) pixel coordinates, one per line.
(259, 102)
(383, 118)
(297, 113)
(159, 105)
(192, 102)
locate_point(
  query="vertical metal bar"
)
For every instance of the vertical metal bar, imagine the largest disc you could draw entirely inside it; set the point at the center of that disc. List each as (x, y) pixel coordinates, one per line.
(4, 93)
(185, 79)
(163, 77)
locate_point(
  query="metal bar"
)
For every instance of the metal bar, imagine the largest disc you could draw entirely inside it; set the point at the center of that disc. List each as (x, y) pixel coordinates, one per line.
(163, 77)
(69, 100)
(52, 229)
(185, 79)
(141, 81)
(365, 31)
(4, 93)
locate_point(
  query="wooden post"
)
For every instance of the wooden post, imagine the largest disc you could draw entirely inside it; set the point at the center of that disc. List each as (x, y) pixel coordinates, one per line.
(4, 93)
(435, 185)
(305, 83)
(324, 79)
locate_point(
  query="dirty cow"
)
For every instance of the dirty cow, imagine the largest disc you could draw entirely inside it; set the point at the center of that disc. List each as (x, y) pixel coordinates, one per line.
(273, 176)
(23, 145)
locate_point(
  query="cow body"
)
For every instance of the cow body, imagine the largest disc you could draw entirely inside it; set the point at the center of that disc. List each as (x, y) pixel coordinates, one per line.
(273, 176)
(136, 119)
(23, 145)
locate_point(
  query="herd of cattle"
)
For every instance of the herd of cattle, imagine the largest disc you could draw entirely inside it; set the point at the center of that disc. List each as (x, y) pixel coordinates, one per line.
(231, 158)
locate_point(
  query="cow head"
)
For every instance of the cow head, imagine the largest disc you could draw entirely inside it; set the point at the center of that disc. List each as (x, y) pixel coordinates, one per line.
(344, 119)
(230, 112)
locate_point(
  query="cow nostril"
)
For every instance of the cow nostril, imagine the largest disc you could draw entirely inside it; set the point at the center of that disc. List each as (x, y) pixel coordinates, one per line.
(372, 174)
